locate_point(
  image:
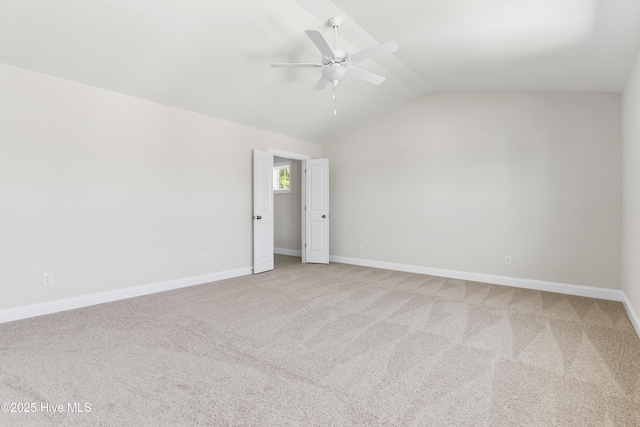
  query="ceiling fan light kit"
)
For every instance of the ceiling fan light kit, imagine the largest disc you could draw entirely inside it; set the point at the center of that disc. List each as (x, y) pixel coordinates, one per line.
(335, 73)
(336, 64)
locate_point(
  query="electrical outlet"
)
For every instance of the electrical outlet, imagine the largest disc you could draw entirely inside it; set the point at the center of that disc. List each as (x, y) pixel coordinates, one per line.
(362, 246)
(47, 279)
(507, 260)
(205, 257)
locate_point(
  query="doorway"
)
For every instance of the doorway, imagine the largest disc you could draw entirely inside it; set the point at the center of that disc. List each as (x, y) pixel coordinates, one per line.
(287, 212)
(314, 209)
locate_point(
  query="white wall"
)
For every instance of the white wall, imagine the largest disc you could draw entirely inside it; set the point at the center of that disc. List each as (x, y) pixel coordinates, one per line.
(287, 208)
(458, 181)
(631, 188)
(109, 191)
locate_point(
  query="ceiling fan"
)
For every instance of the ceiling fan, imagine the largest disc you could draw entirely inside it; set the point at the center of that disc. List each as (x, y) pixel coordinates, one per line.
(338, 63)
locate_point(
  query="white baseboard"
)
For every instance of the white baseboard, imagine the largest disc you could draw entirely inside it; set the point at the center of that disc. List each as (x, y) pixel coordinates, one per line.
(290, 252)
(633, 316)
(33, 310)
(561, 288)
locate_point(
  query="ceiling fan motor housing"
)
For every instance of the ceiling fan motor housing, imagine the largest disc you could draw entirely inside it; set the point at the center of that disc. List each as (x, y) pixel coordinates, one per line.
(339, 57)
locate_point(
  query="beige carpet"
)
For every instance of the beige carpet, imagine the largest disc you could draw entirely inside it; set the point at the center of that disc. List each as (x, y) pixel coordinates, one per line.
(284, 260)
(329, 345)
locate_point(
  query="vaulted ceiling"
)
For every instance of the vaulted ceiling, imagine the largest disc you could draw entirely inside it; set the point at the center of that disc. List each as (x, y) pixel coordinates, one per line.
(213, 56)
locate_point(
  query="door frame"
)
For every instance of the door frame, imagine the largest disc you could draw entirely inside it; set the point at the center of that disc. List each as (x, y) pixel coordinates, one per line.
(303, 158)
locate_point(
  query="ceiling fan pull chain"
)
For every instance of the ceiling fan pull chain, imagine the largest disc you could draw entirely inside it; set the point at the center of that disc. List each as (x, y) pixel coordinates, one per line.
(335, 102)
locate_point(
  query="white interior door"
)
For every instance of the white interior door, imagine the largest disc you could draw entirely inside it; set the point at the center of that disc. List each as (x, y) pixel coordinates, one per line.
(262, 211)
(317, 211)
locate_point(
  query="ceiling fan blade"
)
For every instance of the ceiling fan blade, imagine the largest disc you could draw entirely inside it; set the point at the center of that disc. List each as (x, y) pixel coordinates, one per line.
(322, 83)
(366, 76)
(320, 42)
(381, 49)
(294, 65)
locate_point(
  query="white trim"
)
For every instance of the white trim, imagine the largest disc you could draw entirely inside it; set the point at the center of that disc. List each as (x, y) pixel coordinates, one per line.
(287, 154)
(633, 316)
(303, 210)
(33, 310)
(561, 288)
(290, 252)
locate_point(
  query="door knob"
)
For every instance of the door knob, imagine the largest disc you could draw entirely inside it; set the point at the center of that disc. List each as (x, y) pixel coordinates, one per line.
(258, 217)
(324, 216)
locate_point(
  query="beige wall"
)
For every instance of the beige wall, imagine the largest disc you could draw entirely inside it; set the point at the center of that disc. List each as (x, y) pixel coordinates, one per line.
(109, 191)
(631, 187)
(287, 209)
(458, 181)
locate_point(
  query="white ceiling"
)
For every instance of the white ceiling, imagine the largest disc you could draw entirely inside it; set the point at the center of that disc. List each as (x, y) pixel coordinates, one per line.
(212, 56)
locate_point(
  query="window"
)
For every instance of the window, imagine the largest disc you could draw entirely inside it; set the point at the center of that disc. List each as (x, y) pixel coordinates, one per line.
(282, 177)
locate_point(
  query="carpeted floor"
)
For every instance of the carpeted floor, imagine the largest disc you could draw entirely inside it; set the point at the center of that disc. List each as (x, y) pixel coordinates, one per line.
(328, 345)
